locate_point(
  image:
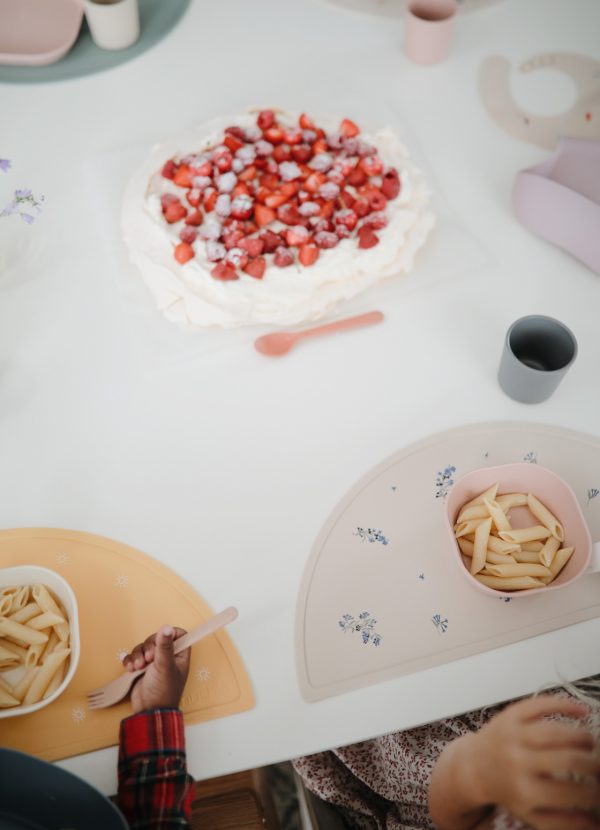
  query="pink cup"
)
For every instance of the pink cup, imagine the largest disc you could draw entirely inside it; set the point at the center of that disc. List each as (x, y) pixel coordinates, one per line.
(553, 492)
(428, 26)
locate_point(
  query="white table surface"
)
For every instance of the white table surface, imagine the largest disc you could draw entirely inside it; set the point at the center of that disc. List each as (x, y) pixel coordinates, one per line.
(225, 465)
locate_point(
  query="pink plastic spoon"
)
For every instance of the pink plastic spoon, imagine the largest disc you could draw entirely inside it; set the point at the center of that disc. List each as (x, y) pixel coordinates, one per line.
(280, 342)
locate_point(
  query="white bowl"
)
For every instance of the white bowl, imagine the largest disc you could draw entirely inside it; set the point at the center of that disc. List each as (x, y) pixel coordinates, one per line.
(30, 575)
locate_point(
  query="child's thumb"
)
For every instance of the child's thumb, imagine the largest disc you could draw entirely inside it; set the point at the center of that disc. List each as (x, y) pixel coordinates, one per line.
(164, 656)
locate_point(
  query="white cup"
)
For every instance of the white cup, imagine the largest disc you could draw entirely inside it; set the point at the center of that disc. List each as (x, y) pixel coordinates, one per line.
(114, 24)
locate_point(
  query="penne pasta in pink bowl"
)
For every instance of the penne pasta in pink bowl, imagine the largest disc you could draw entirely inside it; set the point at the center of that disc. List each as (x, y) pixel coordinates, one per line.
(39, 638)
(517, 529)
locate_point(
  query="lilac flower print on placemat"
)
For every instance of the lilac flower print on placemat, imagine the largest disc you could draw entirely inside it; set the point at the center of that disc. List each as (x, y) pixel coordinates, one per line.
(444, 481)
(441, 623)
(364, 625)
(530, 457)
(372, 535)
(591, 494)
(23, 203)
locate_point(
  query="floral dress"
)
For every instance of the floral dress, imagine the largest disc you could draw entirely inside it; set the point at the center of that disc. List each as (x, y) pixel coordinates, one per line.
(383, 783)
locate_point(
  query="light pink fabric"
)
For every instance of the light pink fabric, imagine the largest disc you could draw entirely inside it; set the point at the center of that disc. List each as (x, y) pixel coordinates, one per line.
(382, 784)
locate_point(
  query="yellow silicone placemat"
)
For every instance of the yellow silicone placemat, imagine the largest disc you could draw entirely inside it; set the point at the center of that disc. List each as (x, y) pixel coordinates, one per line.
(122, 595)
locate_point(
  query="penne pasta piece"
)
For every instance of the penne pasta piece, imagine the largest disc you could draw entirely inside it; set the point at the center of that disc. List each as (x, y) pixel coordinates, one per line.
(498, 515)
(490, 494)
(496, 558)
(476, 511)
(547, 518)
(515, 583)
(548, 552)
(44, 675)
(561, 558)
(47, 603)
(21, 632)
(527, 556)
(45, 620)
(519, 569)
(9, 590)
(21, 688)
(500, 546)
(7, 700)
(26, 613)
(465, 528)
(4, 684)
(52, 643)
(8, 659)
(20, 599)
(482, 534)
(510, 500)
(532, 546)
(57, 679)
(5, 603)
(34, 653)
(525, 534)
(466, 546)
(19, 650)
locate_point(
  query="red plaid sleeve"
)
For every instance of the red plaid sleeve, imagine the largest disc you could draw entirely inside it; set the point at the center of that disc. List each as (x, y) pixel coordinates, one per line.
(155, 790)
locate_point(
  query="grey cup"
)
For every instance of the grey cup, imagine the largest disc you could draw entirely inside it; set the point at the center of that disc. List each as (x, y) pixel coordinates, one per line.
(537, 353)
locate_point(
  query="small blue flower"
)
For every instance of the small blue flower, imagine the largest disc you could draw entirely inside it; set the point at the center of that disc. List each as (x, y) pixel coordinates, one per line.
(592, 493)
(365, 637)
(26, 217)
(22, 194)
(422, 576)
(4, 165)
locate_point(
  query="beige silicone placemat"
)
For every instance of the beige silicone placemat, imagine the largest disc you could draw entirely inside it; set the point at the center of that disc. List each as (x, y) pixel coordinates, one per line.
(381, 596)
(122, 595)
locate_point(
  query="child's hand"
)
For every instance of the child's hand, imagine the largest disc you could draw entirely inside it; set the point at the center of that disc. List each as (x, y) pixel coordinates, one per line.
(545, 773)
(162, 685)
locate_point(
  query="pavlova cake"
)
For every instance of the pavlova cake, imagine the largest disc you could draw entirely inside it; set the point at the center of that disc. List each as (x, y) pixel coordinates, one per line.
(269, 218)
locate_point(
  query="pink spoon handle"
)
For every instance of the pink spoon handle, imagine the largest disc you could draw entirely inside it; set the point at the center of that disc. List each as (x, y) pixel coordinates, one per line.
(341, 325)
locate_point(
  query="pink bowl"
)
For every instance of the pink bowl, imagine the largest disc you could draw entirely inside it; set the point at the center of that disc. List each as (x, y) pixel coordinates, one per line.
(551, 490)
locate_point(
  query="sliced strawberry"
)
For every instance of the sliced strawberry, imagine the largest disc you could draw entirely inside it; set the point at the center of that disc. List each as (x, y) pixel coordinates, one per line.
(289, 189)
(261, 194)
(167, 199)
(292, 136)
(224, 271)
(282, 152)
(314, 182)
(274, 135)
(266, 119)
(390, 186)
(274, 200)
(377, 200)
(250, 227)
(204, 169)
(323, 225)
(371, 165)
(326, 239)
(256, 267)
(242, 206)
(283, 257)
(241, 189)
(343, 232)
(288, 214)
(194, 218)
(237, 257)
(348, 218)
(263, 215)
(377, 221)
(271, 166)
(270, 240)
(327, 209)
(194, 197)
(357, 177)
(302, 153)
(308, 254)
(231, 239)
(183, 252)
(187, 234)
(305, 122)
(366, 237)
(348, 128)
(222, 158)
(236, 132)
(253, 246)
(361, 207)
(234, 144)
(270, 180)
(215, 251)
(296, 236)
(169, 169)
(210, 199)
(174, 212)
(183, 176)
(248, 174)
(319, 146)
(346, 199)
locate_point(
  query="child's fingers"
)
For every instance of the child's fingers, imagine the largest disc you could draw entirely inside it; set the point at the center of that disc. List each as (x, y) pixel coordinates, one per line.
(544, 705)
(564, 795)
(570, 761)
(546, 735)
(137, 657)
(560, 819)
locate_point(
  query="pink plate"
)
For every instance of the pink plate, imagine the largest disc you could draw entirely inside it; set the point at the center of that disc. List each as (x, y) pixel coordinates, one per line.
(38, 32)
(551, 490)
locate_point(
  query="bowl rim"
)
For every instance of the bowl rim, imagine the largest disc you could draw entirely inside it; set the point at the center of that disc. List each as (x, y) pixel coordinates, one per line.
(495, 592)
(39, 571)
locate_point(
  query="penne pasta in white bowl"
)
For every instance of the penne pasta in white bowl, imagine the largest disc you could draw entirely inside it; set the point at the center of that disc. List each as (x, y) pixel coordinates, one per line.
(39, 638)
(517, 529)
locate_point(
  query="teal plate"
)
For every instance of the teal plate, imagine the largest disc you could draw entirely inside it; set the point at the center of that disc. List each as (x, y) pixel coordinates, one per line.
(157, 18)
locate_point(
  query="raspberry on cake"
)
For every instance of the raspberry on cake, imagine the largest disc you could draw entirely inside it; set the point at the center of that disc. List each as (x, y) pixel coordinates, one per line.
(272, 218)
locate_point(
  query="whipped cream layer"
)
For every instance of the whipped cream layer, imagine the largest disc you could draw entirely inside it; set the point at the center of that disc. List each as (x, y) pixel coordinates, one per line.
(188, 294)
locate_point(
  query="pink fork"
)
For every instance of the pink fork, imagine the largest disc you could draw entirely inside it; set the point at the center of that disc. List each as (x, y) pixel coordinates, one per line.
(117, 689)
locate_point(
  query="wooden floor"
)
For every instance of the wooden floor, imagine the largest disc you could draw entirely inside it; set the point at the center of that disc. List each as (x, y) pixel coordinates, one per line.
(235, 802)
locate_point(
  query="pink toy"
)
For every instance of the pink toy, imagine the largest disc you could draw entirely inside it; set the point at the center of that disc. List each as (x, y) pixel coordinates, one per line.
(559, 199)
(553, 492)
(38, 32)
